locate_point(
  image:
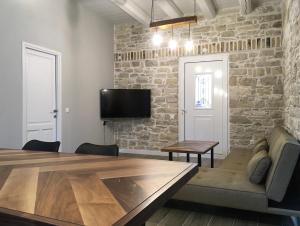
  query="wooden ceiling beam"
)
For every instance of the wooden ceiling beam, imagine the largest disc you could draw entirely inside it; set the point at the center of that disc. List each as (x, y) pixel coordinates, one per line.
(207, 7)
(181, 21)
(134, 11)
(246, 6)
(170, 8)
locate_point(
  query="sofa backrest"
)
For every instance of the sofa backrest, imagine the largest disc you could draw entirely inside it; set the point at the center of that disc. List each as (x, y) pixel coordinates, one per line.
(284, 151)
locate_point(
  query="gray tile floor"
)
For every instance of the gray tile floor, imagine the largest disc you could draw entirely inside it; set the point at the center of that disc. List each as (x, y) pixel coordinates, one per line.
(178, 217)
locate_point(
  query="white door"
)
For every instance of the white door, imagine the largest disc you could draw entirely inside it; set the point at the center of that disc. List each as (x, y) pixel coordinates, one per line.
(205, 102)
(41, 96)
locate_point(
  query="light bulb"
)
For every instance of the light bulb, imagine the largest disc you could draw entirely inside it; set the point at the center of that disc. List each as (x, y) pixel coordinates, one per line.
(156, 39)
(189, 45)
(172, 44)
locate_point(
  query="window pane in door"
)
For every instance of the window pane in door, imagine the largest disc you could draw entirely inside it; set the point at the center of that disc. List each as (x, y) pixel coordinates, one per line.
(203, 91)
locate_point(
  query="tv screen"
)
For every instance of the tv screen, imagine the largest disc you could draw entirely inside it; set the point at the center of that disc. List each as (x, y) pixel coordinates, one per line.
(125, 103)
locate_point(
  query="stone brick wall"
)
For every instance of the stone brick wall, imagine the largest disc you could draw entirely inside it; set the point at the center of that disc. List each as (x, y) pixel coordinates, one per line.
(291, 47)
(253, 43)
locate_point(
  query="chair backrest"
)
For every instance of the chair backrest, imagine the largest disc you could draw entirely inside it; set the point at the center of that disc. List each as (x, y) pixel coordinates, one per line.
(36, 145)
(284, 151)
(93, 149)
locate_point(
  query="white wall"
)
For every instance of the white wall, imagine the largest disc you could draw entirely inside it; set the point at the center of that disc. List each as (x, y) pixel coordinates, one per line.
(86, 43)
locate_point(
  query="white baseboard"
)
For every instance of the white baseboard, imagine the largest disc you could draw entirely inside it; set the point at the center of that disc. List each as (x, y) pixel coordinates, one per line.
(159, 153)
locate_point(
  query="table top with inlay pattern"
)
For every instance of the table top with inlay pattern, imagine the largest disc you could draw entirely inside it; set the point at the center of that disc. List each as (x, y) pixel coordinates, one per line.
(72, 189)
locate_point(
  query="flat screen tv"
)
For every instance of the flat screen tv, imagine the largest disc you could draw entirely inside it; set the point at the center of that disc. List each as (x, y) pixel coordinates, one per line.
(125, 103)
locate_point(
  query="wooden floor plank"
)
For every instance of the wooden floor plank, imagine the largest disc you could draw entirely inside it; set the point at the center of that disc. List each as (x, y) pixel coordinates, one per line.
(269, 224)
(157, 217)
(195, 219)
(215, 217)
(174, 217)
(242, 222)
(219, 220)
(270, 220)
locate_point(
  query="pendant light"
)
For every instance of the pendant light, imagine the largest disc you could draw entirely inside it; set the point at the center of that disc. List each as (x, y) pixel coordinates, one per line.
(156, 38)
(166, 24)
(189, 45)
(172, 42)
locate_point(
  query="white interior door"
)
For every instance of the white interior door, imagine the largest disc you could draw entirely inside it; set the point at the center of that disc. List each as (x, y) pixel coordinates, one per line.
(205, 102)
(41, 96)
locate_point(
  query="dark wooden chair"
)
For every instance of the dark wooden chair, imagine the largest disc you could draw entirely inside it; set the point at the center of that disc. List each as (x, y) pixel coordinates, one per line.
(36, 145)
(93, 149)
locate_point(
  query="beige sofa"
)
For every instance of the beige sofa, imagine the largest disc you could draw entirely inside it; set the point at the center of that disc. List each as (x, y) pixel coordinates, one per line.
(229, 186)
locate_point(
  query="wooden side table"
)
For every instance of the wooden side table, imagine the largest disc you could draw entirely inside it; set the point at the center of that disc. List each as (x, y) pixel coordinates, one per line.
(193, 147)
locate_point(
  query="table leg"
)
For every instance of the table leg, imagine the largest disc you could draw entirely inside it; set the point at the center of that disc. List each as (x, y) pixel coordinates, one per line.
(188, 157)
(199, 160)
(170, 156)
(212, 158)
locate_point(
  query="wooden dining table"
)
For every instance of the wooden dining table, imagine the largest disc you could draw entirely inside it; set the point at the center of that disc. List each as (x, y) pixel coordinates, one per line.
(71, 189)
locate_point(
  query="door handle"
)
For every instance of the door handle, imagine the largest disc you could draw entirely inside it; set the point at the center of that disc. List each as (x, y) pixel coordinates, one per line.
(183, 111)
(54, 112)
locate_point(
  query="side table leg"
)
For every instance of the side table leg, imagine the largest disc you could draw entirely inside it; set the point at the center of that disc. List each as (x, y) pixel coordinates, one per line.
(199, 160)
(188, 157)
(170, 156)
(212, 158)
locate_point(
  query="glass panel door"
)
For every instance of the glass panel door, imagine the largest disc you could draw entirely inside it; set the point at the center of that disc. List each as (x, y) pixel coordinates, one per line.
(203, 91)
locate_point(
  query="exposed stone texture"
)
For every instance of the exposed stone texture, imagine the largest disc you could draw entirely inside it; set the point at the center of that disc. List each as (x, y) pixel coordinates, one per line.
(255, 78)
(291, 47)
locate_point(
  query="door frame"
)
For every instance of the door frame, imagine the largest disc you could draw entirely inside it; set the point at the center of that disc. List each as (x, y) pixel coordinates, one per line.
(58, 56)
(181, 92)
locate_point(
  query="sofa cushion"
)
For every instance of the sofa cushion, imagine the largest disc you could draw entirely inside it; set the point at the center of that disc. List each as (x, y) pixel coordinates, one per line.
(258, 167)
(260, 140)
(222, 187)
(262, 145)
(284, 152)
(236, 160)
(275, 134)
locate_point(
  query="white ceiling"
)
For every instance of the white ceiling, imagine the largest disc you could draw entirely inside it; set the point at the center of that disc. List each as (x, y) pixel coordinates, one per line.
(108, 10)
(117, 16)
